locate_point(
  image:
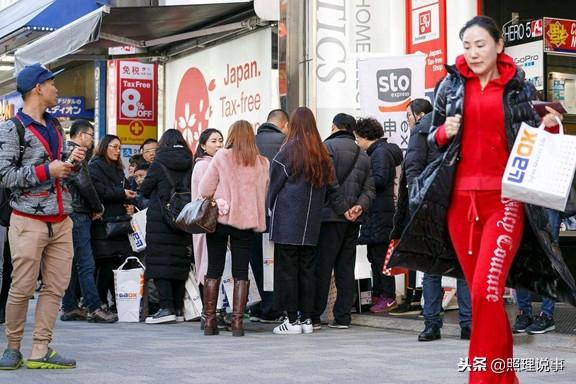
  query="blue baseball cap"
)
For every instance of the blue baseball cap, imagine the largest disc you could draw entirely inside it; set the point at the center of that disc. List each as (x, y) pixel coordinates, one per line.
(33, 74)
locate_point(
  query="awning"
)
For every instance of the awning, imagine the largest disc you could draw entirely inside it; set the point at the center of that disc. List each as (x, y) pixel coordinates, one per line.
(20, 14)
(149, 28)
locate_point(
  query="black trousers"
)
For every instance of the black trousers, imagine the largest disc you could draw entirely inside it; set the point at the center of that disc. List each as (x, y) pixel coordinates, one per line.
(171, 293)
(294, 278)
(382, 285)
(105, 277)
(336, 251)
(241, 245)
(265, 308)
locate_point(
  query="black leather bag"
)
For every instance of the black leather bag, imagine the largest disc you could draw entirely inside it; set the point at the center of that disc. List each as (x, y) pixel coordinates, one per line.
(117, 226)
(198, 216)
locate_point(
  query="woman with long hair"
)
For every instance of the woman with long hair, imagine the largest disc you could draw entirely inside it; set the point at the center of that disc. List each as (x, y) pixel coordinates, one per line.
(237, 178)
(299, 177)
(107, 174)
(167, 257)
(210, 141)
(477, 113)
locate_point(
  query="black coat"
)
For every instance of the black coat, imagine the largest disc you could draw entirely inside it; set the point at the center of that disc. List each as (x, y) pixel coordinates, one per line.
(425, 243)
(358, 187)
(168, 254)
(110, 183)
(84, 196)
(384, 158)
(269, 139)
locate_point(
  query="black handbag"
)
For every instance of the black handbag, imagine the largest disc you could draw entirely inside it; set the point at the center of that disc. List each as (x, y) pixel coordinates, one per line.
(117, 225)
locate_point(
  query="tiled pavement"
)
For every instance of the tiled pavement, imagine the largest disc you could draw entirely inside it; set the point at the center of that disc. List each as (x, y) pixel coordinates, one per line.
(126, 353)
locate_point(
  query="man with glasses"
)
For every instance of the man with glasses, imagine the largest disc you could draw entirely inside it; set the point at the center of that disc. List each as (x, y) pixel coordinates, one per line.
(148, 150)
(87, 207)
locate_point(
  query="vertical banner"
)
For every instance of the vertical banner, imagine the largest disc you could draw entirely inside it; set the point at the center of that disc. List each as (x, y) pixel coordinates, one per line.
(137, 100)
(426, 33)
(387, 85)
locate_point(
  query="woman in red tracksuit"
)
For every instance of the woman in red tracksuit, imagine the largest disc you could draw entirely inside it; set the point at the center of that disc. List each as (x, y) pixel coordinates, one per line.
(485, 229)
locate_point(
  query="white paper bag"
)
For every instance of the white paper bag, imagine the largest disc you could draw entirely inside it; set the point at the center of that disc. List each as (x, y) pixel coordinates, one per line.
(228, 283)
(192, 301)
(268, 260)
(129, 285)
(540, 168)
(138, 237)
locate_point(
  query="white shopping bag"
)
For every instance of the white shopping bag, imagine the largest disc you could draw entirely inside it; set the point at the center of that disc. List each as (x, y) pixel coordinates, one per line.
(138, 236)
(129, 285)
(192, 302)
(268, 260)
(540, 168)
(228, 283)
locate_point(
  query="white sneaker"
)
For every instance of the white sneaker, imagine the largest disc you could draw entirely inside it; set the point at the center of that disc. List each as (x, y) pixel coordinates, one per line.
(307, 326)
(287, 328)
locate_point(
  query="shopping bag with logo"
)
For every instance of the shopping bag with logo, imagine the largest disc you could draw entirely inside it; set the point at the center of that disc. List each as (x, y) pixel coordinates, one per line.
(394, 270)
(129, 285)
(228, 283)
(192, 302)
(540, 168)
(138, 237)
(268, 260)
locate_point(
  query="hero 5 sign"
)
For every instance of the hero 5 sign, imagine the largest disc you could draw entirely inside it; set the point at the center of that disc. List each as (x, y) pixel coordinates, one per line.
(136, 101)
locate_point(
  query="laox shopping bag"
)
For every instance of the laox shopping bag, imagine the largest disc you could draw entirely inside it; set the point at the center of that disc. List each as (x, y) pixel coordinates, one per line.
(138, 236)
(540, 168)
(192, 301)
(129, 284)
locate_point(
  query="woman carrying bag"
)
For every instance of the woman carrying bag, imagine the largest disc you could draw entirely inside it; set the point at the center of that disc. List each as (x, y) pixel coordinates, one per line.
(167, 249)
(237, 178)
(110, 242)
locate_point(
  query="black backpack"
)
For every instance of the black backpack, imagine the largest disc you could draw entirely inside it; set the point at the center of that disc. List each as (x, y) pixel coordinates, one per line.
(6, 193)
(179, 197)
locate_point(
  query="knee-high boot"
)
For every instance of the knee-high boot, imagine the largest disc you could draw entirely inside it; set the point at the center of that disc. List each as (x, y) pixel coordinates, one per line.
(240, 296)
(211, 289)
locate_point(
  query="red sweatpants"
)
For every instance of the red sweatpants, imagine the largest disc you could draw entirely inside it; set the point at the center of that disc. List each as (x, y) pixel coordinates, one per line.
(486, 232)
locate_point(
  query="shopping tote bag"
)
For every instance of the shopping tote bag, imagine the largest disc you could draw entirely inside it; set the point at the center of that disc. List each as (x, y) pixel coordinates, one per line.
(268, 262)
(540, 168)
(129, 285)
(192, 301)
(138, 236)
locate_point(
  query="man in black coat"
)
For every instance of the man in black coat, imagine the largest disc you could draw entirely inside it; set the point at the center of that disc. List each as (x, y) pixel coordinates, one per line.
(269, 138)
(339, 233)
(87, 206)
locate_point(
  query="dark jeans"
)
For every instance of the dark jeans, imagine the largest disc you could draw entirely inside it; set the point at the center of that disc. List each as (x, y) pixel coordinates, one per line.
(433, 295)
(265, 308)
(105, 277)
(382, 285)
(336, 251)
(241, 244)
(171, 293)
(83, 267)
(294, 278)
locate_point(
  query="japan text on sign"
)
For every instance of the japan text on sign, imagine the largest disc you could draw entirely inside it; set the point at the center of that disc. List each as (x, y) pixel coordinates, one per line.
(136, 101)
(73, 107)
(560, 35)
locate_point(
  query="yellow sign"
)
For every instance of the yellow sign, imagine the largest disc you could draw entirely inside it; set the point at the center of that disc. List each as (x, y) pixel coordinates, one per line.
(135, 132)
(557, 34)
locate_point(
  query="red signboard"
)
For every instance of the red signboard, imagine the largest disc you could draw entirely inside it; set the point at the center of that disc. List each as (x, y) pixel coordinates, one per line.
(426, 32)
(136, 103)
(559, 35)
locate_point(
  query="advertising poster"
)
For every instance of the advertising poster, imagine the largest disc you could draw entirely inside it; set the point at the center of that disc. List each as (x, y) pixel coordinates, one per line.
(387, 85)
(560, 35)
(220, 85)
(426, 31)
(525, 44)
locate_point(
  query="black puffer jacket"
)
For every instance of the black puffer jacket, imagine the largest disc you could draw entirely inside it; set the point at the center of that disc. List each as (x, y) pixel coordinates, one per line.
(425, 244)
(384, 158)
(269, 139)
(358, 187)
(84, 196)
(110, 183)
(167, 250)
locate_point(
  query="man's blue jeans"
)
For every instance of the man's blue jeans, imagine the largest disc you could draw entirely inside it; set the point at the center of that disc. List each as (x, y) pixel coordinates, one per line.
(433, 295)
(83, 267)
(524, 297)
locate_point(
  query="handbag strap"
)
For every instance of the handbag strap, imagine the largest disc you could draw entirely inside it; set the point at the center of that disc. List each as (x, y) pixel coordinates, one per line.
(121, 267)
(352, 165)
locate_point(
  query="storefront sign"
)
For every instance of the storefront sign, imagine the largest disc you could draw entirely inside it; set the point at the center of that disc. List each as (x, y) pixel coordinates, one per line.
(9, 105)
(426, 29)
(136, 101)
(387, 86)
(530, 57)
(73, 107)
(522, 32)
(220, 85)
(560, 35)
